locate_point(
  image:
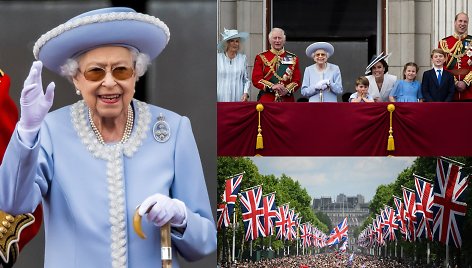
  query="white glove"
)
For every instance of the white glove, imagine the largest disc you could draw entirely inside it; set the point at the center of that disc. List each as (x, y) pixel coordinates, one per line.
(319, 84)
(162, 209)
(34, 103)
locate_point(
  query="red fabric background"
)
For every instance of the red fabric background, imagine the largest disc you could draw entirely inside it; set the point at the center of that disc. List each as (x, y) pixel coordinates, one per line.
(8, 114)
(345, 129)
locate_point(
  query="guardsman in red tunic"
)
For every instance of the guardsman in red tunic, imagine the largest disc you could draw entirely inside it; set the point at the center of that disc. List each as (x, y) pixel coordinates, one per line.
(458, 48)
(24, 226)
(276, 73)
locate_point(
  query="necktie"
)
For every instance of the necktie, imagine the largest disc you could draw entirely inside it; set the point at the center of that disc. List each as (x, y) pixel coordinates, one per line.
(439, 76)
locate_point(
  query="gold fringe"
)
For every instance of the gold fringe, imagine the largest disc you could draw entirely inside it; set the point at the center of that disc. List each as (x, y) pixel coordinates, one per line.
(391, 142)
(259, 141)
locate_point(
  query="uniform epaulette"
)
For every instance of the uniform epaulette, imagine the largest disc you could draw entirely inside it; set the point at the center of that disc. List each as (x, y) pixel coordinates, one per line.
(291, 53)
(447, 37)
(1, 73)
(263, 52)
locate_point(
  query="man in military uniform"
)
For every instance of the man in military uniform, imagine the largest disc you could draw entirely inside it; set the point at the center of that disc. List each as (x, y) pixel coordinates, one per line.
(276, 73)
(459, 57)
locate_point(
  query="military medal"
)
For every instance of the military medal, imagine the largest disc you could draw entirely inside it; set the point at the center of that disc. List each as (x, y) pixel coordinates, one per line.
(161, 129)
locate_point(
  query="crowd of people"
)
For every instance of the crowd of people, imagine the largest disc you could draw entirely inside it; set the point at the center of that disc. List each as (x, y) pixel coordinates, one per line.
(276, 72)
(331, 260)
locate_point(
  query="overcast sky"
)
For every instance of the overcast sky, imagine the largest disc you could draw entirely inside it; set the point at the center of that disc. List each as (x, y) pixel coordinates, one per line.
(330, 176)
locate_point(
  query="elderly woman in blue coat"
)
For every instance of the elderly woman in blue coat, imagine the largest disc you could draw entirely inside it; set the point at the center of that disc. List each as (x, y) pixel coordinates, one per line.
(321, 81)
(92, 163)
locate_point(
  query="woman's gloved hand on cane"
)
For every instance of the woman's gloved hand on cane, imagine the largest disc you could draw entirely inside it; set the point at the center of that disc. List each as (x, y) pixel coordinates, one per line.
(161, 209)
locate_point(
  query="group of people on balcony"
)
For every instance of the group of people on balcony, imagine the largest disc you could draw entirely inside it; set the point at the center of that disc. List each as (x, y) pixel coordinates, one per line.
(277, 75)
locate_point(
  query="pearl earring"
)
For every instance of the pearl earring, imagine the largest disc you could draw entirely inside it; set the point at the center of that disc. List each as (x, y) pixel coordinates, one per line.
(77, 92)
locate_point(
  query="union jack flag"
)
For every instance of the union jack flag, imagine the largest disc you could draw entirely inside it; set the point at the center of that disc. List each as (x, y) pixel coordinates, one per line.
(338, 234)
(281, 222)
(252, 213)
(424, 202)
(390, 224)
(378, 229)
(222, 216)
(230, 194)
(410, 213)
(270, 213)
(304, 235)
(400, 216)
(449, 207)
(291, 225)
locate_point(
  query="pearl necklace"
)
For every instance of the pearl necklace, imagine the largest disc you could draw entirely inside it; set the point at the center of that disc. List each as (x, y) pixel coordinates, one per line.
(126, 133)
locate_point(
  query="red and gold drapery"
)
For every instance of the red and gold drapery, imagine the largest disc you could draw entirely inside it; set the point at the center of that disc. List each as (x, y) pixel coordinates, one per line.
(345, 129)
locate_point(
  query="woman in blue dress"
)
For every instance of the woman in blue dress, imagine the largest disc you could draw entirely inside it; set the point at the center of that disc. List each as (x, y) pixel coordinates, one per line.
(321, 81)
(92, 163)
(408, 89)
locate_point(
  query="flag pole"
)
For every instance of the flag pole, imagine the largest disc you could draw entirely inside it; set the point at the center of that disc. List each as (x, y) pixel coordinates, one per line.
(428, 250)
(225, 259)
(230, 177)
(446, 262)
(250, 249)
(395, 248)
(234, 234)
(250, 188)
(451, 161)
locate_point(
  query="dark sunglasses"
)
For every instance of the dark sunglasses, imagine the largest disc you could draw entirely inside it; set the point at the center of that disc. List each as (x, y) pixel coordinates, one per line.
(119, 73)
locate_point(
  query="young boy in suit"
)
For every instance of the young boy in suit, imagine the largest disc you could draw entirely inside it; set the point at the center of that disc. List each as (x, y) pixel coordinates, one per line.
(437, 85)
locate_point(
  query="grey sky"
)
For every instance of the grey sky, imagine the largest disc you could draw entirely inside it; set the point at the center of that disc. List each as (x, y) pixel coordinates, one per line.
(330, 176)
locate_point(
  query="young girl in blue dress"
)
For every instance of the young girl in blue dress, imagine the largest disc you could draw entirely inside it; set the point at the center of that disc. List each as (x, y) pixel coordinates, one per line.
(408, 89)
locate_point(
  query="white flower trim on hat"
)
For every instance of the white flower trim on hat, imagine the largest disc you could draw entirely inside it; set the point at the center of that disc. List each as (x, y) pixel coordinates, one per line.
(97, 19)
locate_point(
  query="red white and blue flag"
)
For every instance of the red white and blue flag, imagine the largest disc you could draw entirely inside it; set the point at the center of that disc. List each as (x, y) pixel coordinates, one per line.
(400, 216)
(338, 234)
(378, 228)
(449, 207)
(222, 216)
(291, 226)
(410, 213)
(305, 235)
(281, 222)
(231, 192)
(270, 213)
(390, 223)
(252, 213)
(424, 202)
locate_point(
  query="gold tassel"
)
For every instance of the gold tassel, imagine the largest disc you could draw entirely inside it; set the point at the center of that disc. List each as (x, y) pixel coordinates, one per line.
(391, 142)
(259, 141)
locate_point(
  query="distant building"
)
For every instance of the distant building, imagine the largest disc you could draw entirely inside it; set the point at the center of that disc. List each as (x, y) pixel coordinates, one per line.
(353, 207)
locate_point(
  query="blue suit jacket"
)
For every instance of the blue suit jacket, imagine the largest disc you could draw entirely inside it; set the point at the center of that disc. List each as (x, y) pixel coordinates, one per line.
(435, 92)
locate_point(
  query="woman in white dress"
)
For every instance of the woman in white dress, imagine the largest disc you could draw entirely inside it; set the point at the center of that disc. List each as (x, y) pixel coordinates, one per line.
(380, 82)
(232, 78)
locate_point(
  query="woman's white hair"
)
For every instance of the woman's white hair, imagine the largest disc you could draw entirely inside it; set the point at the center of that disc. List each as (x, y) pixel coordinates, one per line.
(141, 62)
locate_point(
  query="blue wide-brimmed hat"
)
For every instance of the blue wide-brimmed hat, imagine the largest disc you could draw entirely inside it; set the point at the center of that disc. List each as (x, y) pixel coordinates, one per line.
(116, 26)
(231, 34)
(319, 45)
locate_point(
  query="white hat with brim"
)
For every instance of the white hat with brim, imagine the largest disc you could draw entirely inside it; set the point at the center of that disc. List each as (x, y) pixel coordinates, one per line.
(377, 58)
(115, 26)
(319, 45)
(231, 34)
